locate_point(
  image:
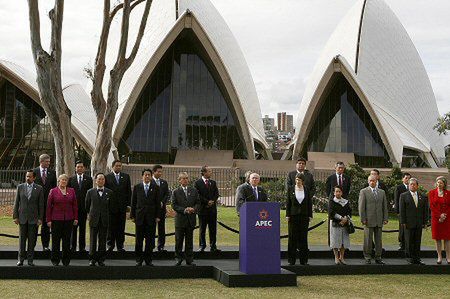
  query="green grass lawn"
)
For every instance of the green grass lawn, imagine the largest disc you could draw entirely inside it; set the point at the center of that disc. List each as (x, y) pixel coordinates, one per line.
(361, 286)
(228, 216)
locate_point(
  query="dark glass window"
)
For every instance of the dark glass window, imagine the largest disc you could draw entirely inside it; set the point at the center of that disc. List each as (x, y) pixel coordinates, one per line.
(183, 106)
(343, 125)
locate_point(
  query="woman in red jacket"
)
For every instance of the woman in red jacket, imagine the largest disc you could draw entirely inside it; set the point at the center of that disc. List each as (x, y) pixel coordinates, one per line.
(62, 215)
(439, 199)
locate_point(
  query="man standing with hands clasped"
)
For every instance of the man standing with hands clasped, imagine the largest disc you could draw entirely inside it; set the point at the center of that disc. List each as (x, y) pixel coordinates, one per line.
(28, 213)
(374, 214)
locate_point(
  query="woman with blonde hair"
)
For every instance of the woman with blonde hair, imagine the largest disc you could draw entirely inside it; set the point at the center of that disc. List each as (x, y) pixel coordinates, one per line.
(439, 200)
(62, 215)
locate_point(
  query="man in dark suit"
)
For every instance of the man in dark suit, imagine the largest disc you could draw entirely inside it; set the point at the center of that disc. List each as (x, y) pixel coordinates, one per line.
(28, 213)
(338, 179)
(186, 203)
(164, 197)
(81, 182)
(120, 183)
(413, 217)
(309, 178)
(207, 216)
(251, 192)
(380, 184)
(145, 211)
(97, 206)
(402, 188)
(46, 178)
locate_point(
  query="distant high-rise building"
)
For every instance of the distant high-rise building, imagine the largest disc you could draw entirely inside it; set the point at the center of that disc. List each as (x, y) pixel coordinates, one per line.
(285, 122)
(289, 123)
(268, 123)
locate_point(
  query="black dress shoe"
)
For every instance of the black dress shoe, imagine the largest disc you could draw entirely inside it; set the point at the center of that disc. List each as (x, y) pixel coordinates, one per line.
(56, 264)
(214, 249)
(19, 263)
(191, 264)
(379, 262)
(178, 263)
(138, 264)
(401, 248)
(419, 262)
(30, 263)
(92, 263)
(150, 264)
(306, 264)
(291, 263)
(82, 250)
(121, 250)
(368, 262)
(46, 249)
(101, 264)
(66, 264)
(162, 250)
(110, 249)
(201, 249)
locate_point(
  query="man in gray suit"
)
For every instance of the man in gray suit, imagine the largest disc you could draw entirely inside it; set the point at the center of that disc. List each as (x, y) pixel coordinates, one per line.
(186, 202)
(250, 192)
(28, 213)
(374, 214)
(239, 188)
(97, 207)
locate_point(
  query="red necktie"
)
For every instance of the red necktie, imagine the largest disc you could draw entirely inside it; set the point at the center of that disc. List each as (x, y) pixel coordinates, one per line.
(340, 180)
(207, 183)
(44, 175)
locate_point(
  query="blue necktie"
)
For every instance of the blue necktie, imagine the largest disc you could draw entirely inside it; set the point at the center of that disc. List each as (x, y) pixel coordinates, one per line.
(255, 193)
(118, 179)
(146, 189)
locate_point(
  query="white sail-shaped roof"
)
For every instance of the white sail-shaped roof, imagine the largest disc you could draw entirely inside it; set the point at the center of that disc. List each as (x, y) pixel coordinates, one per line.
(387, 73)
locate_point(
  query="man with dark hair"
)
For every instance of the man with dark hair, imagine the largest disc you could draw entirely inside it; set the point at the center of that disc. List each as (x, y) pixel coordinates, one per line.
(46, 178)
(164, 197)
(209, 193)
(97, 207)
(413, 218)
(402, 188)
(81, 182)
(28, 213)
(380, 184)
(338, 179)
(145, 211)
(309, 178)
(120, 183)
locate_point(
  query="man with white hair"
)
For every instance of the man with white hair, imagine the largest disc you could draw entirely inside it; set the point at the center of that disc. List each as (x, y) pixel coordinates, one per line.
(250, 192)
(373, 211)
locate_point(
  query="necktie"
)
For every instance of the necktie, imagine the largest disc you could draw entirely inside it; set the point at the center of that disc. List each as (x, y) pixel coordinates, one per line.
(185, 191)
(340, 180)
(100, 192)
(146, 189)
(375, 193)
(207, 183)
(80, 181)
(416, 202)
(29, 189)
(255, 193)
(158, 182)
(44, 175)
(118, 179)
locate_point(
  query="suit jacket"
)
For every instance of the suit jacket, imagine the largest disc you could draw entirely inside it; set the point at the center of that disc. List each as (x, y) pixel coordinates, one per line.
(309, 181)
(62, 207)
(50, 182)
(121, 197)
(81, 192)
(29, 209)
(245, 193)
(294, 208)
(181, 202)
(164, 196)
(371, 209)
(412, 216)
(398, 191)
(332, 182)
(145, 208)
(98, 206)
(206, 194)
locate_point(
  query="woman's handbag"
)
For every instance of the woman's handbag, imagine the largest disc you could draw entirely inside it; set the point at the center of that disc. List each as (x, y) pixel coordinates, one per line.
(350, 227)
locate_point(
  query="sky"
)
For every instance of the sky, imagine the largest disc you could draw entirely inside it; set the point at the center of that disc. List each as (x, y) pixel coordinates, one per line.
(281, 40)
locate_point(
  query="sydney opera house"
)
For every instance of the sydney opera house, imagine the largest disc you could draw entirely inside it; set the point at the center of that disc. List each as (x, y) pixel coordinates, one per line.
(190, 89)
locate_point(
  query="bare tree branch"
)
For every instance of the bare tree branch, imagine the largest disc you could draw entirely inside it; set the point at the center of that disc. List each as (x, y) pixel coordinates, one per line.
(118, 7)
(124, 30)
(35, 28)
(140, 34)
(56, 18)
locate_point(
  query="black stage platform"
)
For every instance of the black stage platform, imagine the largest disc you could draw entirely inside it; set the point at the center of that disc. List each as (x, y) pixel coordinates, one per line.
(223, 267)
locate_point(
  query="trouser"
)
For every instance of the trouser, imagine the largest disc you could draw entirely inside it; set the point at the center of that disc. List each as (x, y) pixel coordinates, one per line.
(61, 231)
(162, 232)
(27, 234)
(45, 230)
(98, 236)
(372, 235)
(145, 231)
(82, 235)
(401, 236)
(210, 221)
(184, 234)
(298, 238)
(413, 239)
(116, 230)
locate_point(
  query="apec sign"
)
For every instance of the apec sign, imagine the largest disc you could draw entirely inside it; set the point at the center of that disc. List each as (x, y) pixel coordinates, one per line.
(263, 221)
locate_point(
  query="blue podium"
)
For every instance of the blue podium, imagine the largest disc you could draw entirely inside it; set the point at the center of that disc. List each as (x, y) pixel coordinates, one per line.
(259, 238)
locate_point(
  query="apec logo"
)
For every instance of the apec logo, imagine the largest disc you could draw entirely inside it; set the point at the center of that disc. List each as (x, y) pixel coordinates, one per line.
(263, 222)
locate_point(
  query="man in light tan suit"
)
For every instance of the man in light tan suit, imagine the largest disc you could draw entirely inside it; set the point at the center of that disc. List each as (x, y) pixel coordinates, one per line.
(374, 214)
